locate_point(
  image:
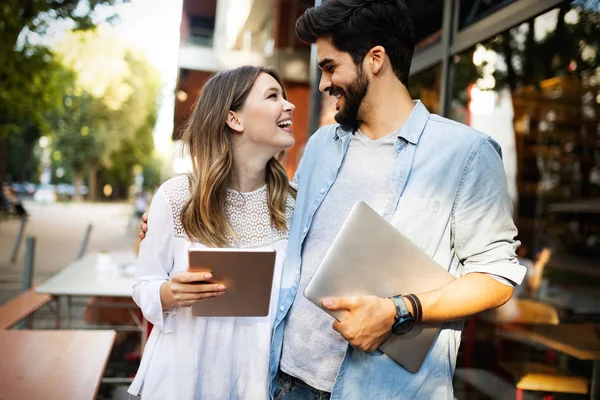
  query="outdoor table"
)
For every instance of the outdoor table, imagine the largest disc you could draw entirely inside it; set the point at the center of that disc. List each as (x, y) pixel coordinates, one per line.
(50, 365)
(581, 341)
(98, 275)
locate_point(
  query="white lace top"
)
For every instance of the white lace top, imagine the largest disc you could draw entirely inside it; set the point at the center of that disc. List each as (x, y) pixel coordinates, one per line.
(248, 214)
(203, 358)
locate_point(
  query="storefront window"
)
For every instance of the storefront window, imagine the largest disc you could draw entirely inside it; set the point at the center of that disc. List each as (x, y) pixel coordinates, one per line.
(473, 10)
(536, 90)
(427, 17)
(425, 86)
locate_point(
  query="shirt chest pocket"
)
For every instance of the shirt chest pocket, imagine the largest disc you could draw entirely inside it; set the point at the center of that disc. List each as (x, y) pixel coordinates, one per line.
(416, 218)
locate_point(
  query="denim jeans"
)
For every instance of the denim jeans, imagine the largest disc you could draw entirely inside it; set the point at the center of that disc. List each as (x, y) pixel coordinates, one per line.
(290, 388)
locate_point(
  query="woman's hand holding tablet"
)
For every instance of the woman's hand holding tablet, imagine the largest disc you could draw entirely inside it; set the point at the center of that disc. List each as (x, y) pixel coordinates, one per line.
(187, 288)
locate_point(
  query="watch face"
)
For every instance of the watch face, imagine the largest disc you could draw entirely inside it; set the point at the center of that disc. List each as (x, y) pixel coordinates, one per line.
(403, 326)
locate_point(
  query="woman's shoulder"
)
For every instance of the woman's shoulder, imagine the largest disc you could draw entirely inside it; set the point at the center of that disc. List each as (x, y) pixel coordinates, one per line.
(177, 192)
(177, 189)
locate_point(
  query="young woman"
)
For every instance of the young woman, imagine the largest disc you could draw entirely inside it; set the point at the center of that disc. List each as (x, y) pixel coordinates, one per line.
(238, 195)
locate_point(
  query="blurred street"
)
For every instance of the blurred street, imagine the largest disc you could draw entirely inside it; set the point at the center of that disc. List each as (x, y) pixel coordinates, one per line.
(59, 230)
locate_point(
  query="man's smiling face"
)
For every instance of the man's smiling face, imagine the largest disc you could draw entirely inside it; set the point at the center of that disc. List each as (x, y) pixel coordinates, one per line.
(343, 79)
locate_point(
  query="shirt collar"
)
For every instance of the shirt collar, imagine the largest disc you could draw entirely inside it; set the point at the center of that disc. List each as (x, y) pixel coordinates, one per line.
(412, 129)
(415, 124)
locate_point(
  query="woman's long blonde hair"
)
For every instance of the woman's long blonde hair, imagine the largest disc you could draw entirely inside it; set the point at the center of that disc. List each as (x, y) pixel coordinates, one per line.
(208, 139)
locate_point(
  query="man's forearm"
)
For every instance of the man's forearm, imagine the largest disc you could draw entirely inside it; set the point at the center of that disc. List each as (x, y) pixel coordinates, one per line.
(369, 319)
(463, 297)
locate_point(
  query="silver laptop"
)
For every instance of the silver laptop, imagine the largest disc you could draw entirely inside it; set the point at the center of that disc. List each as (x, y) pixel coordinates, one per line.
(369, 256)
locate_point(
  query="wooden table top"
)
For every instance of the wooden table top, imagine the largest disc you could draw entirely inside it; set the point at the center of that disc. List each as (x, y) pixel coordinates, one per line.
(43, 364)
(581, 341)
(20, 307)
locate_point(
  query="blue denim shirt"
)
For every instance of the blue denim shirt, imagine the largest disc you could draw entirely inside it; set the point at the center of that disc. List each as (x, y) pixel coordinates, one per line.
(449, 195)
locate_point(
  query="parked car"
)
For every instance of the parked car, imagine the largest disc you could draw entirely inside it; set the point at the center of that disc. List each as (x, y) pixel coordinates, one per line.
(24, 188)
(66, 191)
(45, 194)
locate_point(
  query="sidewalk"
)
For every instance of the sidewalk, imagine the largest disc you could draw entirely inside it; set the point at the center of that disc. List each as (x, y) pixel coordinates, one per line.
(59, 230)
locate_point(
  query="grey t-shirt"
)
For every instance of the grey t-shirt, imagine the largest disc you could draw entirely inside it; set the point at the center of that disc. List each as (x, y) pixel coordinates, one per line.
(312, 350)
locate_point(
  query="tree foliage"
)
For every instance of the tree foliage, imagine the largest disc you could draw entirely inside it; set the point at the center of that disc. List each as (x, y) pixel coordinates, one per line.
(25, 68)
(29, 106)
(112, 107)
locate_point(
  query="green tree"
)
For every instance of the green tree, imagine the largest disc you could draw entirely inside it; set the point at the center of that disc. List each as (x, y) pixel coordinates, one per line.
(41, 102)
(23, 101)
(119, 89)
(78, 138)
(137, 151)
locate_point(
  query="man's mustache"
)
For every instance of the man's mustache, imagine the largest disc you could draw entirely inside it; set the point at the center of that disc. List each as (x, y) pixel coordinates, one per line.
(334, 91)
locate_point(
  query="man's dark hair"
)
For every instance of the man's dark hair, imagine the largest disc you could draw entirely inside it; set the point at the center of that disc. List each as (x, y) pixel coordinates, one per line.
(356, 26)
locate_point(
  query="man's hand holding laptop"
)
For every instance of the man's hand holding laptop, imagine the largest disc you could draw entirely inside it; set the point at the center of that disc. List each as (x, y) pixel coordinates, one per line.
(366, 325)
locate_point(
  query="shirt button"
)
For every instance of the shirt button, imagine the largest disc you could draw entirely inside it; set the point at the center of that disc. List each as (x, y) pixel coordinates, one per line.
(322, 190)
(282, 308)
(305, 230)
(297, 272)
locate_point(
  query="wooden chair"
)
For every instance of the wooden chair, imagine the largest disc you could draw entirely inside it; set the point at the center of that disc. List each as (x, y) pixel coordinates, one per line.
(543, 378)
(515, 311)
(522, 311)
(21, 307)
(527, 375)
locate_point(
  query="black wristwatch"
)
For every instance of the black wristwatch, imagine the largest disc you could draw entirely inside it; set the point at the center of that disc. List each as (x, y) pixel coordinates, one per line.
(404, 320)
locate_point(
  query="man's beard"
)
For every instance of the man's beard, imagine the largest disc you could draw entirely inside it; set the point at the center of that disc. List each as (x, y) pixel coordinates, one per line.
(353, 96)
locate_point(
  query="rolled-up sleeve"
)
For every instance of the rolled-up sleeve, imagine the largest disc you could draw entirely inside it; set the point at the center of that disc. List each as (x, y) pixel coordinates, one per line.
(482, 224)
(155, 261)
